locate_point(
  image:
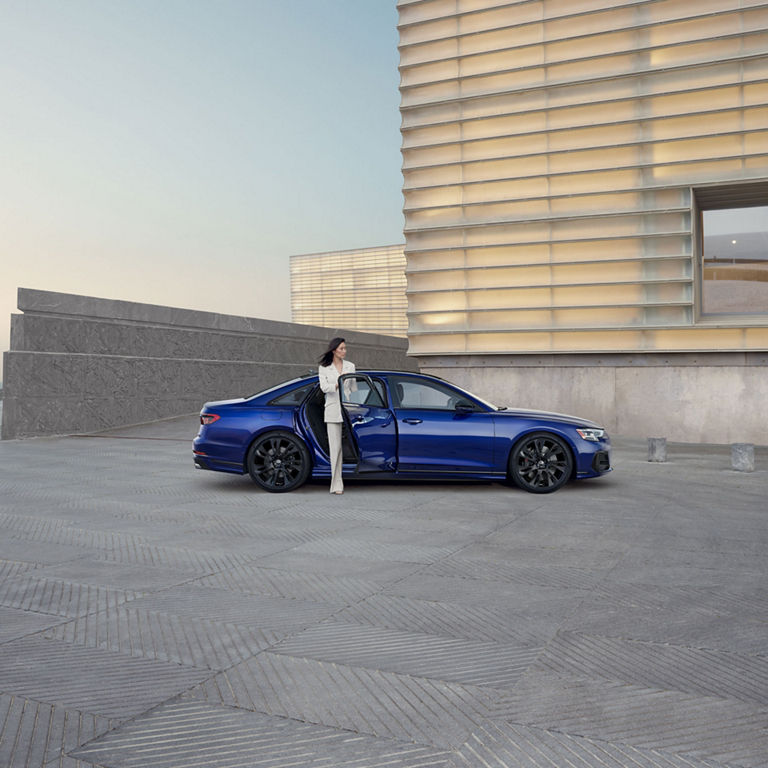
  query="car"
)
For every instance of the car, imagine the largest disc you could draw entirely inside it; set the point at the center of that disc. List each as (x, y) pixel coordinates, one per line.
(397, 424)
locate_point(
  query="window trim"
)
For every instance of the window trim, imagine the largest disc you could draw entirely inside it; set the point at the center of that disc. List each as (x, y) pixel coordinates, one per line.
(373, 388)
(747, 194)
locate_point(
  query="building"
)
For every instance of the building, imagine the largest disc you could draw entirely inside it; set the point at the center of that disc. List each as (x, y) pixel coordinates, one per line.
(573, 172)
(362, 289)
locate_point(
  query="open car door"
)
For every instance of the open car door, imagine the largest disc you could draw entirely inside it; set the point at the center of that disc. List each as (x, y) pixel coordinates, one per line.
(370, 422)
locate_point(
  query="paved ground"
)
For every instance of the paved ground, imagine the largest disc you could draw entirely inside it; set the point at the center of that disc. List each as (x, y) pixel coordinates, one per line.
(155, 615)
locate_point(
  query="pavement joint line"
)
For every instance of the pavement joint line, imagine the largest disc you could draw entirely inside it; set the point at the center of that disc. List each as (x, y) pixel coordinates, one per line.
(131, 437)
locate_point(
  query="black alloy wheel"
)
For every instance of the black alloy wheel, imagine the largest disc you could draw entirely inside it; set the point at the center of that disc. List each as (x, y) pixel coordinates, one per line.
(540, 463)
(278, 462)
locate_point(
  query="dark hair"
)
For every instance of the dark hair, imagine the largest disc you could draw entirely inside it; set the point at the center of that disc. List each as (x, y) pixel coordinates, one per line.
(327, 357)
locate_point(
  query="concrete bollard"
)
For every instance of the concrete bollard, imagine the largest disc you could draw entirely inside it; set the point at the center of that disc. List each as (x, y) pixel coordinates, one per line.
(657, 449)
(743, 457)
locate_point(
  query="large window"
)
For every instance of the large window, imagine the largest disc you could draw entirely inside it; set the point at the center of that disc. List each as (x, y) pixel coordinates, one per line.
(412, 393)
(734, 251)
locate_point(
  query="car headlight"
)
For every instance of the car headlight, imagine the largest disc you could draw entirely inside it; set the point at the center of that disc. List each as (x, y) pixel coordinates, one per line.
(593, 435)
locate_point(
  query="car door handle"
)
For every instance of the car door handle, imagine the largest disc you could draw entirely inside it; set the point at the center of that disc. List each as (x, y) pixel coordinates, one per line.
(412, 421)
(358, 419)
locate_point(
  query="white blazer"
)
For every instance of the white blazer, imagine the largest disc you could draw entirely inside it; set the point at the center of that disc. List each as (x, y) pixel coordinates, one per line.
(329, 378)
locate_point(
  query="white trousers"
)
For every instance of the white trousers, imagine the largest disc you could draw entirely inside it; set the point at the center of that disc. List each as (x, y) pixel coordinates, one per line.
(335, 455)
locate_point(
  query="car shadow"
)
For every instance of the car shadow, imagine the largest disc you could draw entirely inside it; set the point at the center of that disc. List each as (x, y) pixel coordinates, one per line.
(241, 484)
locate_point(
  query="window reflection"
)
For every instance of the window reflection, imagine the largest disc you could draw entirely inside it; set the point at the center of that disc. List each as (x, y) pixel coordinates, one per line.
(735, 266)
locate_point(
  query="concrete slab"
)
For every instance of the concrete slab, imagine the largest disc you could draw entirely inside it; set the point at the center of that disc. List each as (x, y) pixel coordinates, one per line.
(153, 612)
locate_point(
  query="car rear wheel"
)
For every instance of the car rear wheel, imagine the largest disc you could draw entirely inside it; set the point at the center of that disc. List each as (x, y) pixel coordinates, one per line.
(278, 462)
(540, 463)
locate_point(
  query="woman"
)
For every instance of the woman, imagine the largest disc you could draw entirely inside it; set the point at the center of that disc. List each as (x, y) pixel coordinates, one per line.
(332, 365)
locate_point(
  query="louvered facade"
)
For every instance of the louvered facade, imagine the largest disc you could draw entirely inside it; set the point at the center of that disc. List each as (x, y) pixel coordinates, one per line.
(557, 157)
(361, 289)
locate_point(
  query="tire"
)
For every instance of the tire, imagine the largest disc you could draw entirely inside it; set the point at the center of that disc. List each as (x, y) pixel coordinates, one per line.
(540, 463)
(278, 462)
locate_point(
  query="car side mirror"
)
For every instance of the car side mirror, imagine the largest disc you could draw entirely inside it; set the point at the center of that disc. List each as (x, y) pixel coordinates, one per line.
(464, 406)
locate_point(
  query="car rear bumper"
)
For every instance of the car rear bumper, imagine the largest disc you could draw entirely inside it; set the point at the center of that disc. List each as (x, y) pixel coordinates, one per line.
(202, 461)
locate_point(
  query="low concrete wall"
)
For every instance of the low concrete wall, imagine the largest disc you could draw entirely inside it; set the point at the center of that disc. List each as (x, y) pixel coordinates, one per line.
(79, 364)
(686, 397)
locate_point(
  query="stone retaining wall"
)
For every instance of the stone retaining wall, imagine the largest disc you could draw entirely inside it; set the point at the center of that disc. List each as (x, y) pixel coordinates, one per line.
(79, 364)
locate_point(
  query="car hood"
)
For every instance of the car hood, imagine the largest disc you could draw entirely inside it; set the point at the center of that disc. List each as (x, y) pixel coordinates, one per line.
(526, 413)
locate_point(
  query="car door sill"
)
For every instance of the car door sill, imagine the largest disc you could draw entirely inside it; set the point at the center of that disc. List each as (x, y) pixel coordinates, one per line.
(484, 472)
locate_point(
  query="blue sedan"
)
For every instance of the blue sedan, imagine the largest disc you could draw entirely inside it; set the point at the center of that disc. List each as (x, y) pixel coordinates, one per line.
(397, 424)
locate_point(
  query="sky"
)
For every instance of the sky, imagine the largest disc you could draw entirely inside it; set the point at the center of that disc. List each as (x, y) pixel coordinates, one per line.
(177, 152)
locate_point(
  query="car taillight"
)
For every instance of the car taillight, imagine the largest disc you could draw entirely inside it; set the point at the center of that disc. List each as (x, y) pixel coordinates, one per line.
(208, 418)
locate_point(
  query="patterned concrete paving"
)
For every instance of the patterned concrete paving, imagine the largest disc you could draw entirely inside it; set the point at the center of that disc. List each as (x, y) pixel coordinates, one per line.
(156, 616)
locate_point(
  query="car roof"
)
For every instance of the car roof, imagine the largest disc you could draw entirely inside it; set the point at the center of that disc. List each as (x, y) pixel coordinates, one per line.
(313, 372)
(382, 371)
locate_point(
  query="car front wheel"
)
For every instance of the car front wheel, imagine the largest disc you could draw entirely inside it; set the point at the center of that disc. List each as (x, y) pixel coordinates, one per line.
(278, 462)
(540, 463)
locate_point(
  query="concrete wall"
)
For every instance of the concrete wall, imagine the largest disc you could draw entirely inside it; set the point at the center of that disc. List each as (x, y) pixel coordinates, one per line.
(79, 364)
(685, 397)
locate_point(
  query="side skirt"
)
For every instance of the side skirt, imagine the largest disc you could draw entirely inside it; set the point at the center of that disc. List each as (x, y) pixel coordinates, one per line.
(350, 472)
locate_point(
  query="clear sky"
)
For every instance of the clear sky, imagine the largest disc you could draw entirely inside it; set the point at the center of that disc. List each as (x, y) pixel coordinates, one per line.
(179, 151)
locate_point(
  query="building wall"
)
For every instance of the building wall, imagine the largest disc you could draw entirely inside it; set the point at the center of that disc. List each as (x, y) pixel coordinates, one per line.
(557, 157)
(79, 364)
(363, 289)
(719, 398)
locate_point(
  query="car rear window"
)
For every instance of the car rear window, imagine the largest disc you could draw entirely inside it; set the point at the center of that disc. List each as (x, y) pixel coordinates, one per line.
(294, 397)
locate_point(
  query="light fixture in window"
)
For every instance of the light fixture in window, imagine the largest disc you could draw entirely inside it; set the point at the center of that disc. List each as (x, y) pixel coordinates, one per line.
(734, 249)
